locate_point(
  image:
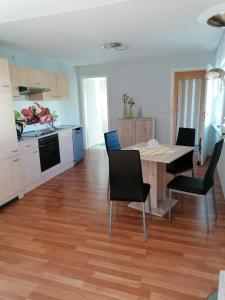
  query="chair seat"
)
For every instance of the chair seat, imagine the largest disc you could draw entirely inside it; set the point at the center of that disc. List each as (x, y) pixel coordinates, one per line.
(180, 165)
(126, 196)
(187, 184)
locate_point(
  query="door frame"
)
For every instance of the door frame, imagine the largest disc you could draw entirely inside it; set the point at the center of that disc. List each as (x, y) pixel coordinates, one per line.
(83, 118)
(174, 97)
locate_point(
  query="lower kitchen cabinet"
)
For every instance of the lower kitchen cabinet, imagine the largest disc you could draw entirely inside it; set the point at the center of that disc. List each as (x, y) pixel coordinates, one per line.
(66, 148)
(31, 169)
(10, 179)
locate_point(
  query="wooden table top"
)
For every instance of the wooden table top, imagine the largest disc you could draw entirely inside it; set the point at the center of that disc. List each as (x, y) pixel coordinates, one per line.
(166, 153)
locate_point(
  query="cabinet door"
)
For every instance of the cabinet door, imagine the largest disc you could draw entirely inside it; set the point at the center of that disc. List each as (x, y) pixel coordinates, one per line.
(66, 148)
(145, 130)
(30, 166)
(14, 77)
(8, 136)
(127, 132)
(59, 77)
(66, 87)
(15, 180)
(5, 84)
(52, 84)
(10, 178)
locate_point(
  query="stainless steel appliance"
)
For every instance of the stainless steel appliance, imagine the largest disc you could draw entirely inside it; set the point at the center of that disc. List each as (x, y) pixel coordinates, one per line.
(78, 145)
(49, 151)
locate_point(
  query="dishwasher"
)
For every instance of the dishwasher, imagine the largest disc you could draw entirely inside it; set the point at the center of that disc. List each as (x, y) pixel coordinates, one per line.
(78, 145)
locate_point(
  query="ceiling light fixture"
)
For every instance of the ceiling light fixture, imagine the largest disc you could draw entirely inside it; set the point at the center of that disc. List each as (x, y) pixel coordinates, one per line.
(217, 20)
(115, 45)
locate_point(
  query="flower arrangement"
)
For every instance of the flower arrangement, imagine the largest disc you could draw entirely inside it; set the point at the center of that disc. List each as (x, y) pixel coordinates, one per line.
(127, 101)
(36, 114)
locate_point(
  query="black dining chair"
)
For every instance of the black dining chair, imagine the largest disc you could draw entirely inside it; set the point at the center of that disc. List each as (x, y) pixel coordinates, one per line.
(196, 186)
(126, 182)
(186, 137)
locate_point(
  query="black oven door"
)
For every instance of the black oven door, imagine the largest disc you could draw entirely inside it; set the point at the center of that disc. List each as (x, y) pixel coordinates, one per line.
(49, 152)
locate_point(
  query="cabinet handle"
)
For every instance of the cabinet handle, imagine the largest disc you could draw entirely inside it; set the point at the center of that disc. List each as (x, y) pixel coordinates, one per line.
(15, 160)
(38, 83)
(14, 151)
(36, 152)
(27, 146)
(6, 86)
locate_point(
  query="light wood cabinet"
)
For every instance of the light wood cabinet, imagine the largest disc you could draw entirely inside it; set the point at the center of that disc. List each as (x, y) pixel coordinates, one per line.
(13, 72)
(10, 178)
(5, 83)
(134, 131)
(30, 165)
(58, 83)
(8, 136)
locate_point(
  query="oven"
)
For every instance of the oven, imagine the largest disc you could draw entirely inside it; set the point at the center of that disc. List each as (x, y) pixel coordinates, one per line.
(49, 151)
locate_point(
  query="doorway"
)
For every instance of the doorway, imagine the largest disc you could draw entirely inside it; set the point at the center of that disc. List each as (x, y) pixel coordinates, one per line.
(189, 102)
(95, 105)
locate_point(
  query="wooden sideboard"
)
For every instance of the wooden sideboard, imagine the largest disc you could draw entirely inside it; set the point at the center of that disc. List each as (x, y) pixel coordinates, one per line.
(134, 131)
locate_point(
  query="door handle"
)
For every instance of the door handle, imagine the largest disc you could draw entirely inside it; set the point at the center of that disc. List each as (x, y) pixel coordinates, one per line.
(15, 160)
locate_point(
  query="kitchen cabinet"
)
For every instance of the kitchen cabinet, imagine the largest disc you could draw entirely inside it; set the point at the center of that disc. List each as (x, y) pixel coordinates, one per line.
(66, 148)
(30, 163)
(10, 178)
(13, 72)
(62, 86)
(134, 131)
(8, 136)
(52, 84)
(5, 83)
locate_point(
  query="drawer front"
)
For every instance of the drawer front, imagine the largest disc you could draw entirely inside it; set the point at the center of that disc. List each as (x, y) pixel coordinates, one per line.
(29, 144)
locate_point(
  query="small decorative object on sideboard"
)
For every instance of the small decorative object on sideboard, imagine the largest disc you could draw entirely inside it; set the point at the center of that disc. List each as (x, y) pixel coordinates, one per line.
(131, 103)
(127, 112)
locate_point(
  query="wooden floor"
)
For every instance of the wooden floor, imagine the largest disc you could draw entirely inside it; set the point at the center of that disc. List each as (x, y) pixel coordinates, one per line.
(54, 244)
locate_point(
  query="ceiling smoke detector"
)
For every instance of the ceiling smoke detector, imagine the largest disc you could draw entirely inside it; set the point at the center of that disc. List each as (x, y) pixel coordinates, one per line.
(115, 45)
(217, 20)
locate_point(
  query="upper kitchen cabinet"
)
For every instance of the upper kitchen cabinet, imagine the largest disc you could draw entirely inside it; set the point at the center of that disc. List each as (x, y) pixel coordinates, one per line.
(5, 84)
(13, 71)
(58, 83)
(52, 85)
(62, 86)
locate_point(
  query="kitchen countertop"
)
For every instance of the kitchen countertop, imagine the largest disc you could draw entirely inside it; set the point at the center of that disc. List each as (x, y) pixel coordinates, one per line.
(57, 130)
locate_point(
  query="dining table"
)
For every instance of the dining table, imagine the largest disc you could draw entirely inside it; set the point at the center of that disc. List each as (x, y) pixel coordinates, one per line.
(154, 162)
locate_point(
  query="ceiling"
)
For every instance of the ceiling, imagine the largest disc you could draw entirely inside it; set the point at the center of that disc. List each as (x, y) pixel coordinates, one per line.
(73, 31)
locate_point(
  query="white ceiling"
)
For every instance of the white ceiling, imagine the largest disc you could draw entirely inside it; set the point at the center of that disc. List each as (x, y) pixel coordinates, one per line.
(72, 31)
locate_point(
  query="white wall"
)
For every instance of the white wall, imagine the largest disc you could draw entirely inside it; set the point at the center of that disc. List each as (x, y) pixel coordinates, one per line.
(149, 82)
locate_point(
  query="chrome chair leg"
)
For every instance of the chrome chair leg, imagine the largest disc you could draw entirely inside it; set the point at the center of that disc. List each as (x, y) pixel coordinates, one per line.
(170, 196)
(108, 190)
(150, 206)
(117, 208)
(110, 218)
(144, 222)
(214, 200)
(206, 212)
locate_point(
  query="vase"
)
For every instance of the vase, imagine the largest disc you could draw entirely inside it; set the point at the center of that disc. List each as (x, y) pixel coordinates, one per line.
(130, 113)
(125, 112)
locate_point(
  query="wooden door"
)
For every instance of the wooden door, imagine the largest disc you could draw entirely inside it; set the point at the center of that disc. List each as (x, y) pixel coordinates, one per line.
(189, 94)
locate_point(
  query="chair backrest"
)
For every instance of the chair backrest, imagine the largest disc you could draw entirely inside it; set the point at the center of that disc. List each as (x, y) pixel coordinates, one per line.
(125, 175)
(208, 179)
(112, 141)
(186, 137)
